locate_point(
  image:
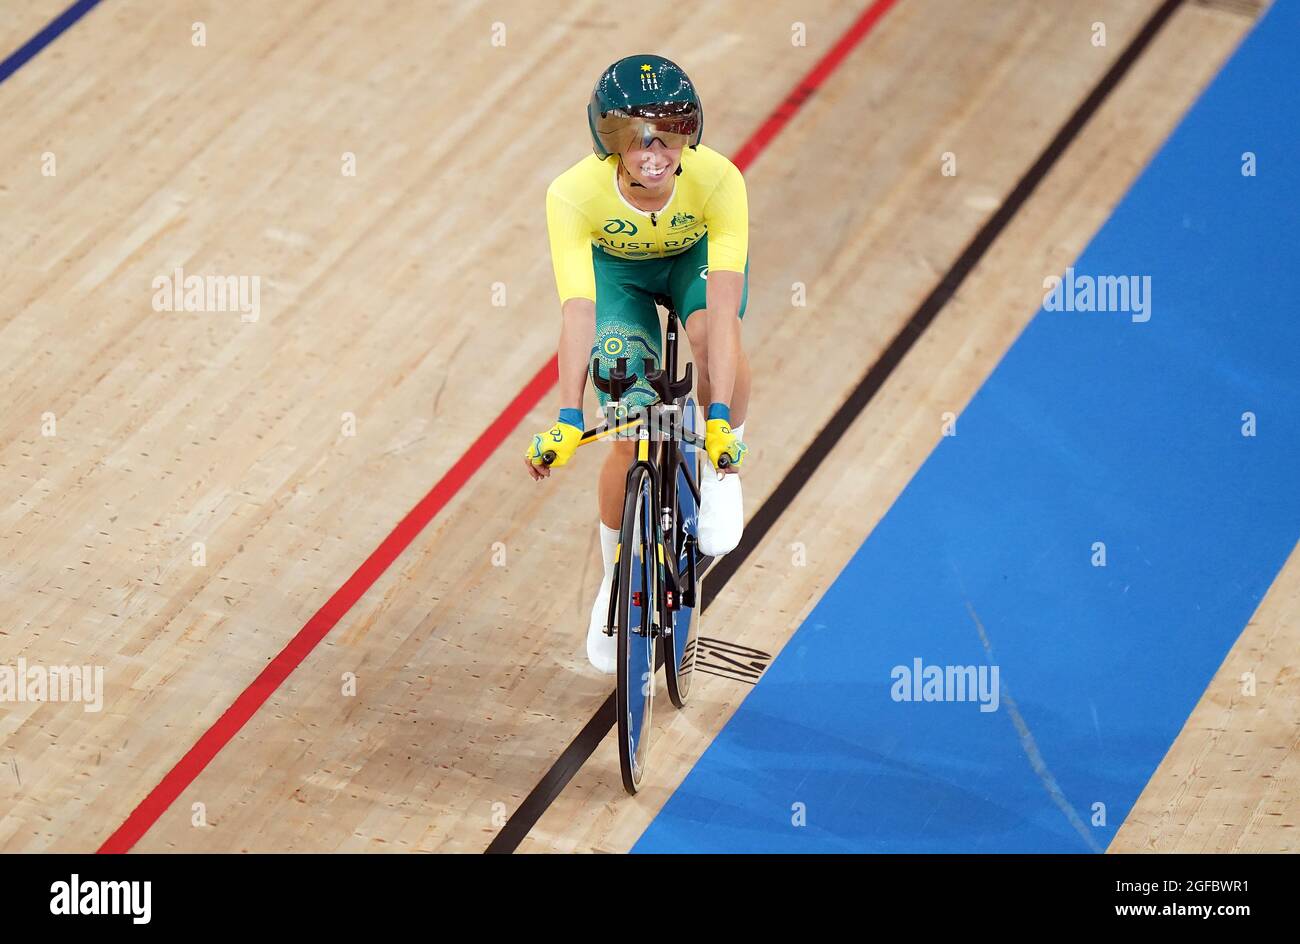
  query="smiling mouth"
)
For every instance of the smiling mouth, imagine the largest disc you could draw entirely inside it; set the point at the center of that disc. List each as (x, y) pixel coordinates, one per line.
(653, 170)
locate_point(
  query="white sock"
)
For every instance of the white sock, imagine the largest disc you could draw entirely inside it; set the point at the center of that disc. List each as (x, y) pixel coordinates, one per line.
(608, 544)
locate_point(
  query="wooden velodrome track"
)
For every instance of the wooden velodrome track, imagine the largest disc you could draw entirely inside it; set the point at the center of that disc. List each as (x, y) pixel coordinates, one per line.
(404, 308)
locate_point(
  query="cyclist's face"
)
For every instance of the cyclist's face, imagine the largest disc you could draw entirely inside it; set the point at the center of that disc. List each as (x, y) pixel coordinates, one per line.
(653, 166)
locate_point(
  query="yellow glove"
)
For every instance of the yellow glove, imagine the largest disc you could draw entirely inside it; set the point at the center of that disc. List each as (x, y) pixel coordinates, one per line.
(561, 439)
(719, 440)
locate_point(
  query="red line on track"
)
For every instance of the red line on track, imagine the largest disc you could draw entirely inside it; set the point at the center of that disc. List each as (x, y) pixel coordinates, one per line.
(300, 646)
(326, 618)
(809, 84)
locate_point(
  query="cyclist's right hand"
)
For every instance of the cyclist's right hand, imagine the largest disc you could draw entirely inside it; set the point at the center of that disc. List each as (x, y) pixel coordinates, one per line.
(561, 439)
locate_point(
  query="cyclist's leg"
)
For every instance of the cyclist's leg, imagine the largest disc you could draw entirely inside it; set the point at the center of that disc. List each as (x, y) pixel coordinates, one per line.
(688, 287)
(721, 518)
(627, 325)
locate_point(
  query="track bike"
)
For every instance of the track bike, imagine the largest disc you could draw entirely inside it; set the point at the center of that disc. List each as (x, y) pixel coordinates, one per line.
(654, 602)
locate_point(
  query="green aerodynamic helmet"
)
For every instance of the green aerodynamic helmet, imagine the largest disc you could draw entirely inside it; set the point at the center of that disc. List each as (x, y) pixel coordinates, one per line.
(640, 98)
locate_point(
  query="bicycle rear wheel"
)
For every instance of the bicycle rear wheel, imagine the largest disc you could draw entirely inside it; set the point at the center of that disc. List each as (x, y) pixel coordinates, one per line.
(637, 602)
(679, 642)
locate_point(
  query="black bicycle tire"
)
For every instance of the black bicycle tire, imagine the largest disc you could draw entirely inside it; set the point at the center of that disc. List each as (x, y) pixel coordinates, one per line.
(627, 536)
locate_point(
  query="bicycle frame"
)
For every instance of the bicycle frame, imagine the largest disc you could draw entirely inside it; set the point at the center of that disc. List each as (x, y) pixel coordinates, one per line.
(665, 416)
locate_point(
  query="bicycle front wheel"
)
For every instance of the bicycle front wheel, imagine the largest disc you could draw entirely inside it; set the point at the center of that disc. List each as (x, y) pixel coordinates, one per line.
(638, 591)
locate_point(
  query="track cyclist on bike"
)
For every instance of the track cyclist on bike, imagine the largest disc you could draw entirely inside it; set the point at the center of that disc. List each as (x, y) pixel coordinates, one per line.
(652, 213)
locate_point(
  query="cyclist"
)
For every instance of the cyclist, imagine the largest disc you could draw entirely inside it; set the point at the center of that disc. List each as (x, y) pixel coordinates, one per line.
(652, 212)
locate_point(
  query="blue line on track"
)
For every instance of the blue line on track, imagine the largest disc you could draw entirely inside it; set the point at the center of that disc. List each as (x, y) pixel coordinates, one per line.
(49, 34)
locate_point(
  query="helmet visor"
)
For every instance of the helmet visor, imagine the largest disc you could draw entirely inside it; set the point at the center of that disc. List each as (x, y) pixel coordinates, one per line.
(676, 124)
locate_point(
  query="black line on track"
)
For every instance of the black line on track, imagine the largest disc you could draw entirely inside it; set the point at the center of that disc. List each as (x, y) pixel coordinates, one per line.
(720, 571)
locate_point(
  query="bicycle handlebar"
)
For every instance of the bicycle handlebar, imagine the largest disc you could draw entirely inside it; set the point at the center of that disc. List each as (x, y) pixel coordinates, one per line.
(724, 460)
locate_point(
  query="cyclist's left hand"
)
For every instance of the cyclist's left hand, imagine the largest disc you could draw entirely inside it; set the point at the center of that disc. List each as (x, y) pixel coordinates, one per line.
(719, 440)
